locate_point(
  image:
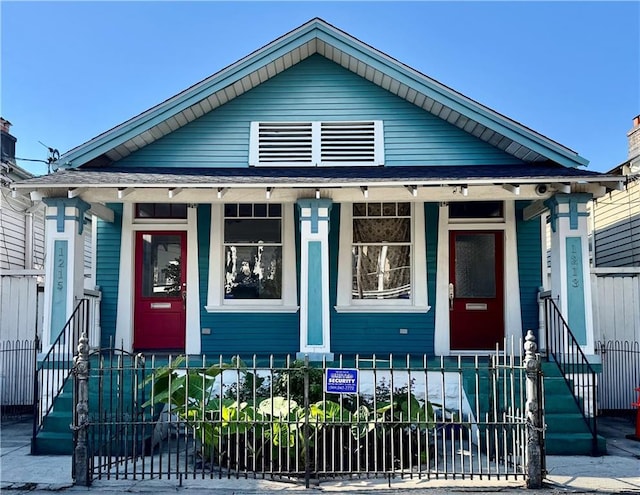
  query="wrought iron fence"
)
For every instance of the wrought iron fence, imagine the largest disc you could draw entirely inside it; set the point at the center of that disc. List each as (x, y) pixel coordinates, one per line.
(276, 417)
(620, 374)
(17, 370)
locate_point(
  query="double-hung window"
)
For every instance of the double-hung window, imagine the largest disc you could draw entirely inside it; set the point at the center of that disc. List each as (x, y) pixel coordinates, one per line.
(382, 259)
(252, 258)
(252, 251)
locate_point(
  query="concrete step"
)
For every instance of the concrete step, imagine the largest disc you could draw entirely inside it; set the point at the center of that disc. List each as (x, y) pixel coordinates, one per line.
(53, 443)
(573, 444)
(565, 423)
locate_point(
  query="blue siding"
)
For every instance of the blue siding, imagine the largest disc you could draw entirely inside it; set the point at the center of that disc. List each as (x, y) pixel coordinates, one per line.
(107, 273)
(529, 267)
(240, 333)
(379, 333)
(318, 89)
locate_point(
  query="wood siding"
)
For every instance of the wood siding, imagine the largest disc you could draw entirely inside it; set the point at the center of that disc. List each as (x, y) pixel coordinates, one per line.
(107, 272)
(317, 89)
(529, 243)
(13, 234)
(616, 225)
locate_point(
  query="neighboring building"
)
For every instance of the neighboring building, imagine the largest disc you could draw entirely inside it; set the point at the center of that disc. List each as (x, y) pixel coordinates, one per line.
(319, 197)
(21, 249)
(616, 216)
(615, 242)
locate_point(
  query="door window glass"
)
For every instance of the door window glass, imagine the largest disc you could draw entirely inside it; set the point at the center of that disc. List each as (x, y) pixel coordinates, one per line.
(475, 266)
(161, 265)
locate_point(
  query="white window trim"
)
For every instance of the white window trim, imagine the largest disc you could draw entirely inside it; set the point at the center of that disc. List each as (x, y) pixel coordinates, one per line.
(418, 303)
(254, 155)
(216, 303)
(126, 284)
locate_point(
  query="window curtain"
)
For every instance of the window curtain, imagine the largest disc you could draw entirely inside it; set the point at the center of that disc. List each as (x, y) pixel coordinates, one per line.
(385, 266)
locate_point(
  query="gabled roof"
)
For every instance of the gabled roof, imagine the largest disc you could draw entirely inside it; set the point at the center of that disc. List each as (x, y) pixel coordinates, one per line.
(319, 37)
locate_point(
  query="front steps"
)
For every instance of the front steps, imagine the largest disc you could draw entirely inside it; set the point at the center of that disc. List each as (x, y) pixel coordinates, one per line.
(566, 433)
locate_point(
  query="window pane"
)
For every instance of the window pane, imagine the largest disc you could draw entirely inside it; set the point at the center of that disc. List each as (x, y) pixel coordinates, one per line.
(476, 209)
(245, 210)
(231, 210)
(260, 210)
(389, 209)
(381, 230)
(275, 210)
(252, 230)
(475, 266)
(253, 272)
(145, 210)
(381, 272)
(359, 209)
(179, 210)
(163, 210)
(374, 209)
(404, 209)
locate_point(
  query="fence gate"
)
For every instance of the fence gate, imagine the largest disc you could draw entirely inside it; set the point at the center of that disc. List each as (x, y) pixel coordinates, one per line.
(620, 374)
(272, 417)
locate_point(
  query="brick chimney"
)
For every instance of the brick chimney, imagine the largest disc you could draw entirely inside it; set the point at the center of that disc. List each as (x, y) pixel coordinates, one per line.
(8, 143)
(634, 139)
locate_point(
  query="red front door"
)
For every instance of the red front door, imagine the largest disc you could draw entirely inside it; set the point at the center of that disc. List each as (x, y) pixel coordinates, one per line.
(160, 291)
(476, 289)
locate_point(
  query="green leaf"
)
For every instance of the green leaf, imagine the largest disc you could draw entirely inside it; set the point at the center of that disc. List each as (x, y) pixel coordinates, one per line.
(277, 406)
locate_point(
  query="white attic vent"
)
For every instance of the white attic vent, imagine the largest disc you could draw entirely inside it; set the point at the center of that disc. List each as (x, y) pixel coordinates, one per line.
(312, 144)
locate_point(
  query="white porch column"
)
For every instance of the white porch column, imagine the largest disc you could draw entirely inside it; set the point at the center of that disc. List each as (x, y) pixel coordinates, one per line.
(64, 263)
(570, 273)
(315, 334)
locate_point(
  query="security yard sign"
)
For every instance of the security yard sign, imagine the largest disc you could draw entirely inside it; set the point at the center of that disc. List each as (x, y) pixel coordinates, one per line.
(341, 381)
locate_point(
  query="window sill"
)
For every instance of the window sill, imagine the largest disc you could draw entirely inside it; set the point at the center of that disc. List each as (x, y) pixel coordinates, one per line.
(382, 309)
(253, 308)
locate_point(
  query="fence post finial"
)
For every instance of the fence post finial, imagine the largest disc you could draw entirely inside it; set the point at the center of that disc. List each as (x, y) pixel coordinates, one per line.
(533, 412)
(81, 376)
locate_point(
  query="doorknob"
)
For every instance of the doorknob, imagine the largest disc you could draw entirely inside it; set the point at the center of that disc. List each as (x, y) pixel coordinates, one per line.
(451, 295)
(184, 295)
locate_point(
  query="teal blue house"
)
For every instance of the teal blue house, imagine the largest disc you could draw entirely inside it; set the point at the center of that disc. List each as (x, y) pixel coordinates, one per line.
(319, 197)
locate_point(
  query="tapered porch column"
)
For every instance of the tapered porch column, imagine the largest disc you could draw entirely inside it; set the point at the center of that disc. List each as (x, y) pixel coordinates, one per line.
(315, 335)
(570, 273)
(64, 263)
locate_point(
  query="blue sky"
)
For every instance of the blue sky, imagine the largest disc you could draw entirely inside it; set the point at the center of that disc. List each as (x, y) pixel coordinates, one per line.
(569, 70)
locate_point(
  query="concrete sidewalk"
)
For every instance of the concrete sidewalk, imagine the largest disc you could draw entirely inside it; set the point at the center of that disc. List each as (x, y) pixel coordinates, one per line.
(618, 472)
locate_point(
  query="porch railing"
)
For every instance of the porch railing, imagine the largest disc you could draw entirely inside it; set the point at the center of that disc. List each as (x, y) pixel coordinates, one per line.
(55, 367)
(563, 348)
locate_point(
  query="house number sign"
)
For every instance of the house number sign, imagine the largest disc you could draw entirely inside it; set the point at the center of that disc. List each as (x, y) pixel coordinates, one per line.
(575, 289)
(59, 296)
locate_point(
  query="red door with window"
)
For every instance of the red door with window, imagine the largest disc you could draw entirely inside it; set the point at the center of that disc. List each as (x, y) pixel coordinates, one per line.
(160, 291)
(476, 289)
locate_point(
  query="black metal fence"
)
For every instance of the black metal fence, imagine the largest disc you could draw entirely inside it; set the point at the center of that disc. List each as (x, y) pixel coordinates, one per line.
(620, 374)
(417, 417)
(17, 370)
